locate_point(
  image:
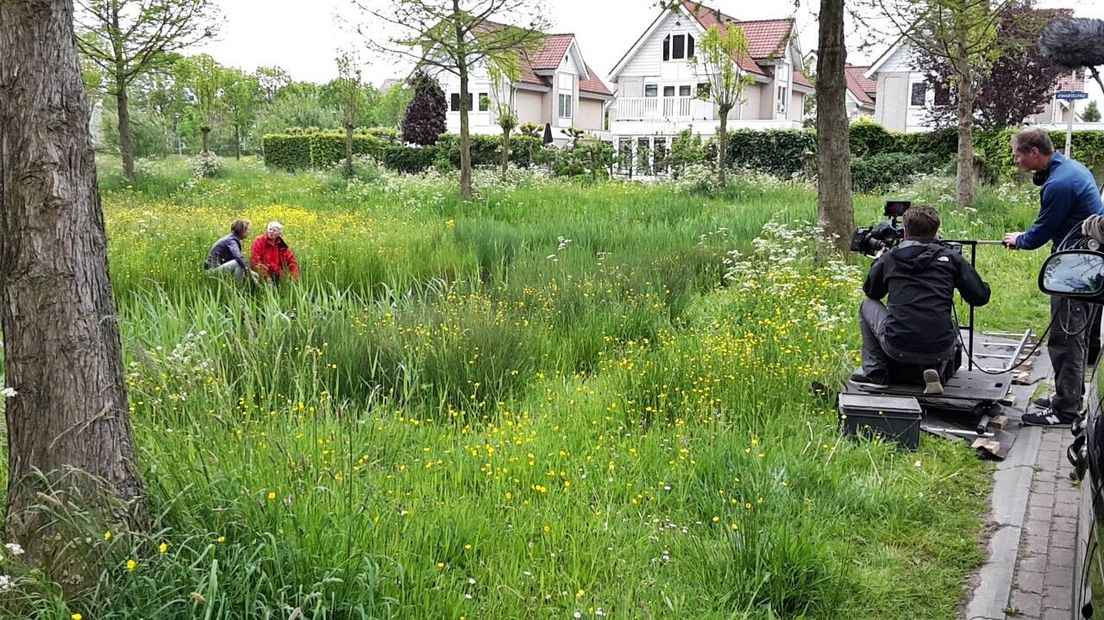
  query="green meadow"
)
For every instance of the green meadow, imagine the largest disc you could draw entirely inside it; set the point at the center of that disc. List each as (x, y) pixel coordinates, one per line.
(562, 400)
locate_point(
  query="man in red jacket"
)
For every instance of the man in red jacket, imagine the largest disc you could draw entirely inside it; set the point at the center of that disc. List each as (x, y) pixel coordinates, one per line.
(272, 258)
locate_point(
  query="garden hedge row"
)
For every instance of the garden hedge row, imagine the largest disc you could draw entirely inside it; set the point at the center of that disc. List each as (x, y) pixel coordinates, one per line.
(320, 149)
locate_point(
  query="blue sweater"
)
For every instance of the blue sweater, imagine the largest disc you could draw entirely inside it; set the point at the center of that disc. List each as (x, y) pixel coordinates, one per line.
(1069, 195)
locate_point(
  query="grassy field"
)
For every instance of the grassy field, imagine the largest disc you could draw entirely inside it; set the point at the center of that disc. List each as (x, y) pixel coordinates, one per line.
(561, 400)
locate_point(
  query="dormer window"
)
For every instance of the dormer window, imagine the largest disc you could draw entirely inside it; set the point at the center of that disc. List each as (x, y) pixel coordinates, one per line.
(678, 47)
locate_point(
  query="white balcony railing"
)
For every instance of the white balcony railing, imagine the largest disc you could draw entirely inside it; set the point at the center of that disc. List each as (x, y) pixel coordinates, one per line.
(653, 108)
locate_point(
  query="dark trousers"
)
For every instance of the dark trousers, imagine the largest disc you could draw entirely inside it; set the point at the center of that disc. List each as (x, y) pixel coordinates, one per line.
(875, 362)
(875, 359)
(1068, 348)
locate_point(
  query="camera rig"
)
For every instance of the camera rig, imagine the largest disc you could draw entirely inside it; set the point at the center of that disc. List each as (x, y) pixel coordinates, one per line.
(884, 235)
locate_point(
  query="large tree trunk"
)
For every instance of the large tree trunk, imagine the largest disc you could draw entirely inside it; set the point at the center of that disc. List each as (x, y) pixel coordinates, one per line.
(505, 151)
(206, 131)
(237, 143)
(835, 211)
(722, 147)
(62, 354)
(126, 142)
(964, 181)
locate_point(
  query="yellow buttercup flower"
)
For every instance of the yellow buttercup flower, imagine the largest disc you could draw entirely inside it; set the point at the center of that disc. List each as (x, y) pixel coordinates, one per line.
(107, 535)
(131, 565)
(163, 548)
(272, 496)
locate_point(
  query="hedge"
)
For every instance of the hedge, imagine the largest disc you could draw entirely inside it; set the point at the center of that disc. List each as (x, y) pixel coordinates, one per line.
(316, 150)
(312, 148)
(779, 152)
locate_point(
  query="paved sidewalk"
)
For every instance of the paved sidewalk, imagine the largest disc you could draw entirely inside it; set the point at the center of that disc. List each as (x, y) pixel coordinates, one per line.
(1043, 579)
(1029, 572)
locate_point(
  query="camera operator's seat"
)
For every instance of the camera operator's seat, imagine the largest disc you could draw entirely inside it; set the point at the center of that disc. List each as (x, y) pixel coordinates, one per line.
(901, 373)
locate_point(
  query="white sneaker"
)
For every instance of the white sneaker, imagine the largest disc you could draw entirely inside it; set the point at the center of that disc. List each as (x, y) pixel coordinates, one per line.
(931, 382)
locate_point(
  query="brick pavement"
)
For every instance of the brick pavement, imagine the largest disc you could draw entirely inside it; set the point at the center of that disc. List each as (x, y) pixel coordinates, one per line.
(1043, 577)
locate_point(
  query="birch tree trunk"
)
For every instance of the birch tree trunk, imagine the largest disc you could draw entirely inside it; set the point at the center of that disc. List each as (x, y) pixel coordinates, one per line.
(62, 353)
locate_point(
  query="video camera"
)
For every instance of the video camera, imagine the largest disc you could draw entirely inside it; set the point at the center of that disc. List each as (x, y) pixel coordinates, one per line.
(883, 235)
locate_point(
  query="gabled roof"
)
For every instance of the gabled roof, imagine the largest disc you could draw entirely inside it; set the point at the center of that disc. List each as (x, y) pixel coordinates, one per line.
(548, 56)
(860, 86)
(767, 38)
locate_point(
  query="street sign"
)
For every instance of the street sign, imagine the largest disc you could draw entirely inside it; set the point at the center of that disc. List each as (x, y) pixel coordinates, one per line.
(1070, 95)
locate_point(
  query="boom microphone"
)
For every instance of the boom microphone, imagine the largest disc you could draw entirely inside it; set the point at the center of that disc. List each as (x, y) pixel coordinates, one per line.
(1073, 43)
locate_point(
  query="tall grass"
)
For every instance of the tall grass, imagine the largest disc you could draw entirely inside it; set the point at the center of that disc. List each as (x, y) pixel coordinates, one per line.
(559, 400)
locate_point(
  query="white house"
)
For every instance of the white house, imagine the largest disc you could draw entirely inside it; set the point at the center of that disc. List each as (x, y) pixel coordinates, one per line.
(903, 96)
(555, 87)
(655, 83)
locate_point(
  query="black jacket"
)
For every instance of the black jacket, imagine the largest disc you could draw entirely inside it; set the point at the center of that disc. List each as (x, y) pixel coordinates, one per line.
(920, 277)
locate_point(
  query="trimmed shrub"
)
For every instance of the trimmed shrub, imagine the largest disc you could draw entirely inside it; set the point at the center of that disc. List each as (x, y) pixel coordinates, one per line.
(409, 159)
(316, 150)
(870, 138)
(778, 152)
(882, 171)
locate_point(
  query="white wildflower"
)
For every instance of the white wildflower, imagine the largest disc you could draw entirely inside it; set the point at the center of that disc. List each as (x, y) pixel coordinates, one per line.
(8, 392)
(14, 548)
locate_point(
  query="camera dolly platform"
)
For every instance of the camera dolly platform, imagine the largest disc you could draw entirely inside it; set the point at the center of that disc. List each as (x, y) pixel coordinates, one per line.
(970, 408)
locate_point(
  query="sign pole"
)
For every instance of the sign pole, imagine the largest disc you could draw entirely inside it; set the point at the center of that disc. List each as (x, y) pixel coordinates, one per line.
(1069, 127)
(1071, 96)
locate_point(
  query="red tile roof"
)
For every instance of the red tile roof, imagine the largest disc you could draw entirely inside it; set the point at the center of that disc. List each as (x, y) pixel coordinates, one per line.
(767, 38)
(548, 57)
(552, 51)
(861, 87)
(593, 84)
(799, 77)
(708, 17)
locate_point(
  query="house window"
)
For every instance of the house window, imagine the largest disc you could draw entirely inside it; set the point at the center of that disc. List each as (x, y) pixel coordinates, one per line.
(565, 106)
(484, 102)
(684, 90)
(919, 92)
(454, 104)
(668, 91)
(782, 99)
(678, 47)
(943, 95)
(651, 90)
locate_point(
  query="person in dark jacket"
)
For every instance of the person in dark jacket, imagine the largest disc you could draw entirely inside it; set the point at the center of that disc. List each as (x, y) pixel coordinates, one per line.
(226, 255)
(920, 276)
(1068, 196)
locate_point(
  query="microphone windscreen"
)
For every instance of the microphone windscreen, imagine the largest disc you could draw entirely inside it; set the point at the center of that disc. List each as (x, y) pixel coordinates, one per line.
(1073, 42)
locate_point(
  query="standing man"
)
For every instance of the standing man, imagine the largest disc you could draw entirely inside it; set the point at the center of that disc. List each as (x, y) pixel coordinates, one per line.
(1068, 196)
(272, 258)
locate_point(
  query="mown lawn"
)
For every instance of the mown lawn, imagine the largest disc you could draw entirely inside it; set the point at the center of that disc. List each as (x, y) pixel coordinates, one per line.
(561, 400)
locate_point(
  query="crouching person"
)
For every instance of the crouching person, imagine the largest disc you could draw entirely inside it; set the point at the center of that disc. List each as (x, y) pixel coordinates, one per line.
(272, 258)
(226, 255)
(916, 328)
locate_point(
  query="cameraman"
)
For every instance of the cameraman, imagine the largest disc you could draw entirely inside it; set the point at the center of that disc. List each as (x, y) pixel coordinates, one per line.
(920, 276)
(1068, 196)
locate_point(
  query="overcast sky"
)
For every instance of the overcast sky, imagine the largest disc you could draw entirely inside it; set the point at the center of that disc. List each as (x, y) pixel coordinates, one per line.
(304, 37)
